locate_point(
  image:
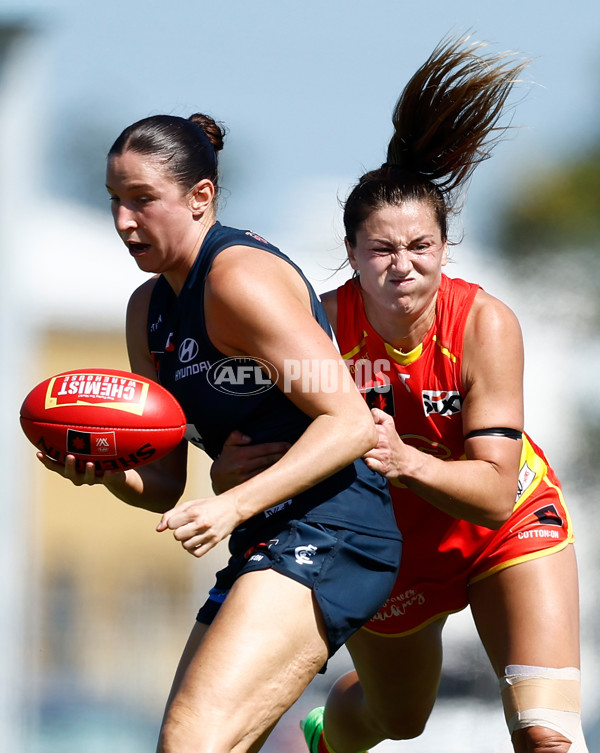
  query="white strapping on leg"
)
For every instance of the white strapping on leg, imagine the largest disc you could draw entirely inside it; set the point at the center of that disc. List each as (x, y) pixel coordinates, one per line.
(544, 697)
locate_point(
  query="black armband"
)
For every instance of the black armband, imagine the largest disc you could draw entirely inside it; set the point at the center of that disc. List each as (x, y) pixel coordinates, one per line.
(499, 431)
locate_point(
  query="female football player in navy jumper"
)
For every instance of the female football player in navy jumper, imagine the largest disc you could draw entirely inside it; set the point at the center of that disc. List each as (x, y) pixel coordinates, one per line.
(479, 506)
(310, 526)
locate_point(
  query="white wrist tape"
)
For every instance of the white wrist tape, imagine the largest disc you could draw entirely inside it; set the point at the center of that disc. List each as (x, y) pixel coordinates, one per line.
(544, 697)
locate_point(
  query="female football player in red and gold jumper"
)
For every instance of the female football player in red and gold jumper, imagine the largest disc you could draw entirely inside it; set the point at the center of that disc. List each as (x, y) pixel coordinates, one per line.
(441, 363)
(480, 509)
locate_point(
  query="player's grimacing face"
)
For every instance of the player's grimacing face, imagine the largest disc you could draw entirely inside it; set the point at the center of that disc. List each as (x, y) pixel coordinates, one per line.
(399, 254)
(150, 210)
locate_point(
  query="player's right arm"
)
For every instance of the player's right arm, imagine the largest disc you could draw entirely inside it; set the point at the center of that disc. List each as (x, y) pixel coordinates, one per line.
(158, 486)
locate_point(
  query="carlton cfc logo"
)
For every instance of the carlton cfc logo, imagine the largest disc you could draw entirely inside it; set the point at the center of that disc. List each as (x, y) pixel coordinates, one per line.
(304, 554)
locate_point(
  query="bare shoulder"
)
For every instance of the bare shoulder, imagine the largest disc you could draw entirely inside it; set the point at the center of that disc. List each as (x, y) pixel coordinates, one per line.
(493, 344)
(248, 273)
(493, 363)
(490, 318)
(253, 300)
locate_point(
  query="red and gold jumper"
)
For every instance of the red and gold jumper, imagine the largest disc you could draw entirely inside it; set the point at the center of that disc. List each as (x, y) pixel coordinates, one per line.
(423, 391)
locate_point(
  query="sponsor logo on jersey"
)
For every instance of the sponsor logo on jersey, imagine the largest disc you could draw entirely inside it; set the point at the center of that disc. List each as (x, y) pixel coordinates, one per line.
(242, 376)
(188, 350)
(256, 237)
(276, 508)
(155, 325)
(538, 533)
(380, 396)
(304, 554)
(543, 516)
(549, 516)
(100, 390)
(526, 477)
(192, 369)
(442, 402)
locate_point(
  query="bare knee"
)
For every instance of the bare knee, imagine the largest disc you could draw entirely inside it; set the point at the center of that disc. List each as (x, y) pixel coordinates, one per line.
(542, 709)
(182, 731)
(400, 724)
(348, 709)
(176, 733)
(540, 740)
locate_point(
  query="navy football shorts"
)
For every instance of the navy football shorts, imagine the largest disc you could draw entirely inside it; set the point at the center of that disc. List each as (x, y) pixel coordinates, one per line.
(351, 574)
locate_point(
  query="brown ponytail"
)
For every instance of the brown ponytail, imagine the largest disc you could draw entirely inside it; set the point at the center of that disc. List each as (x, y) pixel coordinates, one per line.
(446, 122)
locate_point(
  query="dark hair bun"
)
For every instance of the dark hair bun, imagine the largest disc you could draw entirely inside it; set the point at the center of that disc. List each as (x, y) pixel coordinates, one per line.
(212, 129)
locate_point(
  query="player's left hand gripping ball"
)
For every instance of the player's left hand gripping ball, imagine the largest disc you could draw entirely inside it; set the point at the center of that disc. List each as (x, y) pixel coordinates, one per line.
(114, 419)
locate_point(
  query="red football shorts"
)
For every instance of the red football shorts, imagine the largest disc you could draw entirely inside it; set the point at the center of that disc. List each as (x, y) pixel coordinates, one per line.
(441, 555)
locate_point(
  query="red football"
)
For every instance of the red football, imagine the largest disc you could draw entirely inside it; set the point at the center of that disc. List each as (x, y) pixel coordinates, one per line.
(112, 418)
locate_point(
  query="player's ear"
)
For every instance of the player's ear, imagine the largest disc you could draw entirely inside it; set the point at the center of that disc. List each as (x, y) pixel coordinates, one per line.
(351, 254)
(445, 254)
(202, 196)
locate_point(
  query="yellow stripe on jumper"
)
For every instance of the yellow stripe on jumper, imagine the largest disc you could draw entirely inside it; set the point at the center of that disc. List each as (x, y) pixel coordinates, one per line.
(444, 350)
(355, 350)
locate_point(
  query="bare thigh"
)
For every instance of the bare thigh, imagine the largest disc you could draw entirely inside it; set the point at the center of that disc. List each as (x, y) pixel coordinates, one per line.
(399, 680)
(239, 675)
(529, 613)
